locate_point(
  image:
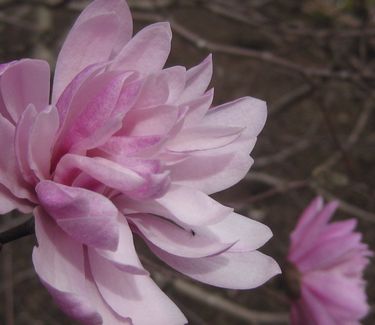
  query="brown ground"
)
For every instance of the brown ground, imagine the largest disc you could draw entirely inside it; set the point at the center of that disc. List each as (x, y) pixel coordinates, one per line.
(312, 61)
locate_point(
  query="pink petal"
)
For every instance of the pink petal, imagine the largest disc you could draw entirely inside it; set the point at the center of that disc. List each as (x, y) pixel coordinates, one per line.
(9, 202)
(246, 112)
(147, 51)
(176, 240)
(89, 42)
(182, 205)
(41, 141)
(118, 7)
(25, 82)
(133, 296)
(10, 175)
(103, 170)
(315, 227)
(198, 108)
(203, 138)
(58, 261)
(150, 122)
(232, 270)
(344, 299)
(91, 108)
(247, 234)
(125, 257)
(197, 80)
(88, 217)
(302, 227)
(215, 170)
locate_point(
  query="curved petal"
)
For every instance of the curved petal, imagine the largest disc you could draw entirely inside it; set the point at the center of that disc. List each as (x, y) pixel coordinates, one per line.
(88, 217)
(41, 141)
(25, 82)
(182, 205)
(120, 8)
(125, 257)
(59, 263)
(197, 80)
(133, 296)
(176, 240)
(9, 202)
(90, 42)
(247, 234)
(203, 138)
(232, 270)
(215, 170)
(10, 175)
(147, 51)
(247, 112)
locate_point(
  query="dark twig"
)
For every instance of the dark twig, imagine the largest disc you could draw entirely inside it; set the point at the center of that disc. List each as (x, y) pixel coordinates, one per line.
(25, 229)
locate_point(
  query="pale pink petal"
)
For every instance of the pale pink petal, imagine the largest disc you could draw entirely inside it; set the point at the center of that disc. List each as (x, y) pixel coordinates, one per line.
(344, 298)
(120, 8)
(59, 263)
(197, 80)
(246, 112)
(247, 234)
(234, 270)
(89, 42)
(215, 170)
(315, 227)
(302, 227)
(133, 296)
(86, 216)
(25, 82)
(150, 122)
(9, 202)
(182, 205)
(10, 175)
(22, 143)
(41, 141)
(198, 108)
(125, 257)
(103, 170)
(176, 240)
(147, 51)
(203, 138)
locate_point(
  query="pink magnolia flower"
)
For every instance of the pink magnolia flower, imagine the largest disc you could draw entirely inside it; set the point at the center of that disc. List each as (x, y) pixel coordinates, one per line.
(329, 259)
(125, 147)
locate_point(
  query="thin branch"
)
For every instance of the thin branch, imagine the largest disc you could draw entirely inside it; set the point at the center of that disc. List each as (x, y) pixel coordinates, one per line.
(24, 229)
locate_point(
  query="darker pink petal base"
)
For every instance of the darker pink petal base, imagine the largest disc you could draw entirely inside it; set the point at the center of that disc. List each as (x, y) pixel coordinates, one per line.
(331, 259)
(126, 147)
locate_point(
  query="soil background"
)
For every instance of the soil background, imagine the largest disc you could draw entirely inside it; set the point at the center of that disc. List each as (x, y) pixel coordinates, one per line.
(312, 61)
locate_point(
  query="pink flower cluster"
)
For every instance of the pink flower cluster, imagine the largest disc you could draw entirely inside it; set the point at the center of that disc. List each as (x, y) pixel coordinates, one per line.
(125, 146)
(330, 259)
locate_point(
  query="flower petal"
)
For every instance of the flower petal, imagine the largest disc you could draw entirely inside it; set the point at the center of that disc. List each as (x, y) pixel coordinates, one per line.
(90, 42)
(25, 82)
(9, 202)
(147, 51)
(234, 270)
(197, 80)
(88, 217)
(58, 261)
(176, 240)
(133, 296)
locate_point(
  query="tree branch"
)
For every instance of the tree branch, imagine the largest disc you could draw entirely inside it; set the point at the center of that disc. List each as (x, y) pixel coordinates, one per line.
(24, 229)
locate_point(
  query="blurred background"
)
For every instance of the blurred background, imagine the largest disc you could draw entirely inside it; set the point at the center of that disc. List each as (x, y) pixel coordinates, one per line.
(313, 61)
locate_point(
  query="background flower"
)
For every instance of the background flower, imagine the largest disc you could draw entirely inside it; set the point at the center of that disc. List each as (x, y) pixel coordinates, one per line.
(329, 259)
(127, 146)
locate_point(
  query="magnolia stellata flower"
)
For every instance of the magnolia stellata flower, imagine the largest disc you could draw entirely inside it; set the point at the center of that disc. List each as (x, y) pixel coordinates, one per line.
(127, 147)
(329, 260)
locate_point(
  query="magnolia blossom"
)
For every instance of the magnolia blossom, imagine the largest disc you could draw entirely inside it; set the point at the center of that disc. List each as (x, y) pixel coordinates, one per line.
(329, 259)
(126, 146)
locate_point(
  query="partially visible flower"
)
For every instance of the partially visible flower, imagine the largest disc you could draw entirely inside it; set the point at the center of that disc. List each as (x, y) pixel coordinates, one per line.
(127, 147)
(328, 261)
